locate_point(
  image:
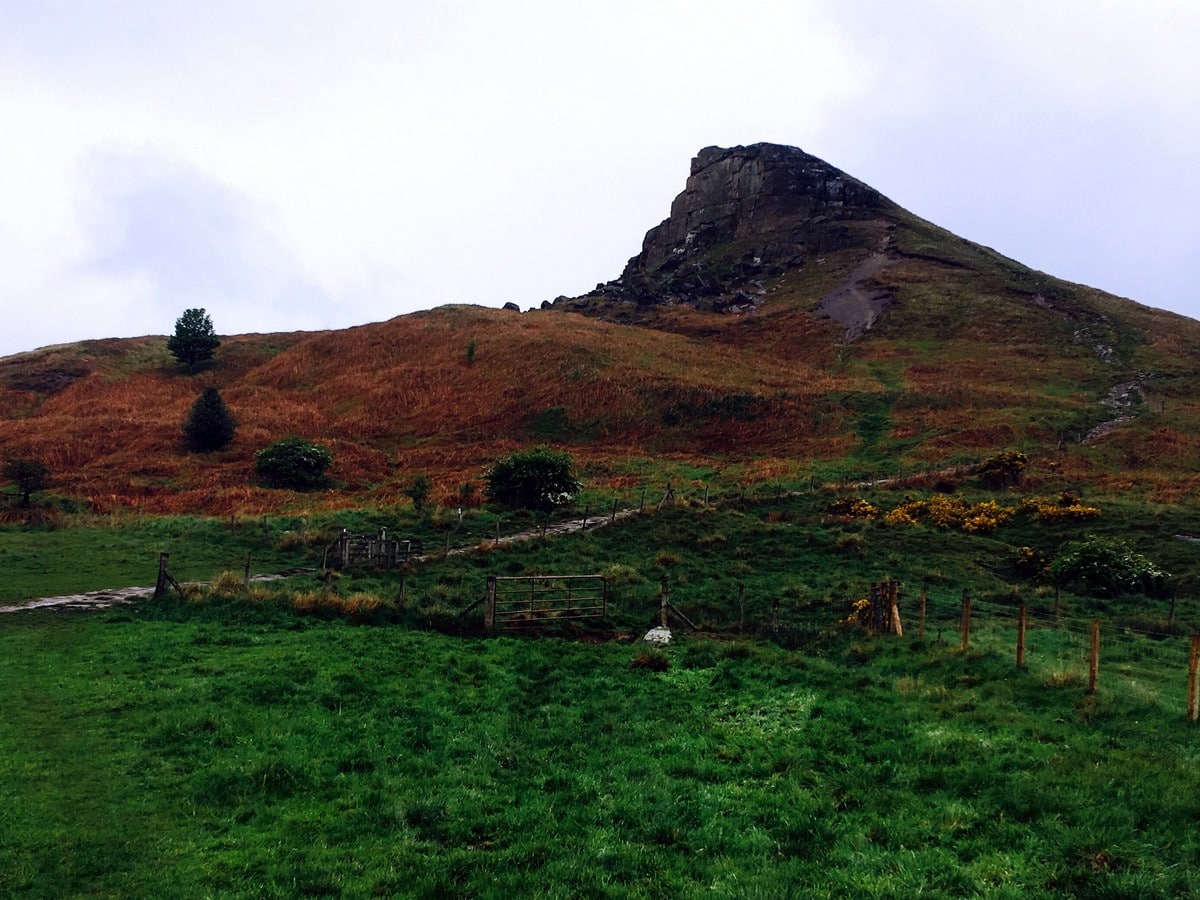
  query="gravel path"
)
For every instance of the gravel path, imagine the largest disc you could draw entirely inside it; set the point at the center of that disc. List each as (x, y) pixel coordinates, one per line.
(117, 596)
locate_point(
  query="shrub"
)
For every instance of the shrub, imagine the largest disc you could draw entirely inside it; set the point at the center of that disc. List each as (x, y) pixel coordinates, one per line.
(29, 476)
(1066, 509)
(227, 586)
(293, 462)
(1003, 469)
(1104, 568)
(194, 341)
(418, 492)
(650, 658)
(619, 573)
(209, 426)
(289, 541)
(852, 508)
(538, 479)
(1030, 563)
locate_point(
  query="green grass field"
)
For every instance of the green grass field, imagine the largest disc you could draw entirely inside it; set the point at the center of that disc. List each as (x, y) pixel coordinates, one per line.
(232, 746)
(182, 755)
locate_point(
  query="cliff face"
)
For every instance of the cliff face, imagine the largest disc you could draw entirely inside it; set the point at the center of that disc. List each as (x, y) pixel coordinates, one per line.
(746, 213)
(780, 199)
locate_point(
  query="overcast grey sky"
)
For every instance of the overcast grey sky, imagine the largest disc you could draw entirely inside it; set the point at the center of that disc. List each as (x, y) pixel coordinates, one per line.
(298, 165)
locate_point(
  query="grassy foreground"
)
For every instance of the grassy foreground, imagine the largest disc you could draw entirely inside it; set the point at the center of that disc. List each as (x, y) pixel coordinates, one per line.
(178, 755)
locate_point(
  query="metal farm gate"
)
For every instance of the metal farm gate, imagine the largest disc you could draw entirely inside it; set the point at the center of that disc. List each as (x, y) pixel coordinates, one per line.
(530, 601)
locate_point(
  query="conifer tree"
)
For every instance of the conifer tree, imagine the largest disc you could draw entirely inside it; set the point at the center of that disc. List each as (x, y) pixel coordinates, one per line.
(194, 340)
(209, 426)
(29, 476)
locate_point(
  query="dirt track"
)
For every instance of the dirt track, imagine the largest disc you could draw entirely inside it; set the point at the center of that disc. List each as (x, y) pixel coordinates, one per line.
(92, 600)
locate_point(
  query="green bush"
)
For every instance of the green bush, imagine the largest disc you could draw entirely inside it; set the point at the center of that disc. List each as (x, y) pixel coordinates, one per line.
(539, 479)
(418, 492)
(293, 462)
(209, 426)
(1003, 469)
(29, 476)
(1104, 568)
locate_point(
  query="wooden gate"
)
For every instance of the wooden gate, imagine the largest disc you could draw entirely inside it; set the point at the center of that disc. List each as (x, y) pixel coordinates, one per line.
(374, 550)
(531, 601)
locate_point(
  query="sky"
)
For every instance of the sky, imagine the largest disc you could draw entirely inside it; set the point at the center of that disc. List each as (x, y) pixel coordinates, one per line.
(288, 165)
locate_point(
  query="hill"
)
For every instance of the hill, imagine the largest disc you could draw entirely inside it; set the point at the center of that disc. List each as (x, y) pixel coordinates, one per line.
(786, 320)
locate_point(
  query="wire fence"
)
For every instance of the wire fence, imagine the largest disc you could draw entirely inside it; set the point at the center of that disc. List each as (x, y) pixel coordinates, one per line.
(1144, 664)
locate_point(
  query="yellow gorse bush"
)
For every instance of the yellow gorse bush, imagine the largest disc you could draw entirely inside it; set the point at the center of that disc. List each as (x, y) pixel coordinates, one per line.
(859, 614)
(853, 508)
(983, 518)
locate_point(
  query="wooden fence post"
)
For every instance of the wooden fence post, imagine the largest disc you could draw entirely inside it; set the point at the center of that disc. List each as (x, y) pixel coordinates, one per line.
(1094, 658)
(246, 580)
(741, 607)
(583, 527)
(873, 605)
(1193, 688)
(1174, 600)
(921, 620)
(613, 518)
(665, 599)
(160, 585)
(966, 619)
(1021, 636)
(489, 604)
(894, 609)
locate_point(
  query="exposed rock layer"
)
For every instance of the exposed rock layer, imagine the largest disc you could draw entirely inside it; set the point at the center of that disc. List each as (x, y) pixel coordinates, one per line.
(746, 214)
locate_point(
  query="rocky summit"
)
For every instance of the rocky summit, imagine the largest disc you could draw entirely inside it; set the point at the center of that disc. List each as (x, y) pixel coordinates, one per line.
(747, 214)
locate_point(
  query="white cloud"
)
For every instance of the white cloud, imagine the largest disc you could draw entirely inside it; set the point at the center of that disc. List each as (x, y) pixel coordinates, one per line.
(345, 164)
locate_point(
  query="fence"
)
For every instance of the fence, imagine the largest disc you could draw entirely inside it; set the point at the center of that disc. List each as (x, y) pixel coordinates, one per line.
(1148, 663)
(371, 550)
(531, 601)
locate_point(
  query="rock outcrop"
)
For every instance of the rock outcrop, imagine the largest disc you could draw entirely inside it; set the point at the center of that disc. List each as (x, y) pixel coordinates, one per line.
(746, 215)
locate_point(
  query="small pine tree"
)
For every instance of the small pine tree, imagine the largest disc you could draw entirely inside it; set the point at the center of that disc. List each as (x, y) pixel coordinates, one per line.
(194, 341)
(29, 475)
(418, 492)
(209, 426)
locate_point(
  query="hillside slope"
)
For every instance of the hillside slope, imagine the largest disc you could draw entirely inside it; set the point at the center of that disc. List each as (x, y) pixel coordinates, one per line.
(785, 319)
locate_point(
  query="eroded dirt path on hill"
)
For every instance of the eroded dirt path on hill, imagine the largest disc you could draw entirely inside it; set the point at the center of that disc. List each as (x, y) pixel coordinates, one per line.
(855, 304)
(94, 600)
(1123, 399)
